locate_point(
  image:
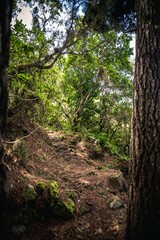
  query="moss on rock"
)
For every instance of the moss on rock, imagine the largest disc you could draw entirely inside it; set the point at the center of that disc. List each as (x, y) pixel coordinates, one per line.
(70, 195)
(40, 187)
(54, 192)
(29, 193)
(64, 210)
(61, 209)
(69, 208)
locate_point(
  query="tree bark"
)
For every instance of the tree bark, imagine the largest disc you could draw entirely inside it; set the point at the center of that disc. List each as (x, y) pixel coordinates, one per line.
(144, 186)
(5, 18)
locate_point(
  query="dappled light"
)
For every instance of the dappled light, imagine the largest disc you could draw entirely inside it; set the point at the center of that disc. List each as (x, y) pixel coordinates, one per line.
(79, 120)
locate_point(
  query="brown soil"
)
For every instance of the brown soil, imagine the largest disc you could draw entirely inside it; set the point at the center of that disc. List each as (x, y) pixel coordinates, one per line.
(80, 168)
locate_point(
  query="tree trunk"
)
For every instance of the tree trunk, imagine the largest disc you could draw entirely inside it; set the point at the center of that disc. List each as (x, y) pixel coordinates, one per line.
(144, 187)
(5, 18)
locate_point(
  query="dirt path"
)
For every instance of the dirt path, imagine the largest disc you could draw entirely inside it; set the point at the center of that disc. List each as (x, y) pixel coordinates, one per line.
(84, 171)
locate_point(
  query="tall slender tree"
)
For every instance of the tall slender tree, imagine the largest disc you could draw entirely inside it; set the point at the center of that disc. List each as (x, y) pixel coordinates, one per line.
(144, 185)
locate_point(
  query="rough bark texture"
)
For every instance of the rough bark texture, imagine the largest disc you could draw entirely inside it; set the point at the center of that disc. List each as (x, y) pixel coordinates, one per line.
(5, 18)
(144, 185)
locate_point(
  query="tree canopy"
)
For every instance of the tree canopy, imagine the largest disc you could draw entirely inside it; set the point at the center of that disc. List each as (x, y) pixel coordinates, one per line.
(78, 79)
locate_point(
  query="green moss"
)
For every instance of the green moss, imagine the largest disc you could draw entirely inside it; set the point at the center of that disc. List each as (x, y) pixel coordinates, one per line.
(65, 209)
(54, 192)
(69, 207)
(40, 187)
(70, 195)
(29, 193)
(61, 209)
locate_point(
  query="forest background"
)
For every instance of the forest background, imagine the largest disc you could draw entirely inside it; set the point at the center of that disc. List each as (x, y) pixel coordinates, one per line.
(71, 78)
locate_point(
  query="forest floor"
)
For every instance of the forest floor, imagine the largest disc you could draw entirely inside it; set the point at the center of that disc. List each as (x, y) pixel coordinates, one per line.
(96, 181)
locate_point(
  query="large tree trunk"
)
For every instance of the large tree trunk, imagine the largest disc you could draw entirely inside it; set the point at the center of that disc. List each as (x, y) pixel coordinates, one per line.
(5, 18)
(144, 186)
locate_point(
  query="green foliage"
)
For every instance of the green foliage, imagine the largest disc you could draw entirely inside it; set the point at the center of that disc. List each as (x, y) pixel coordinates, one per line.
(75, 79)
(105, 15)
